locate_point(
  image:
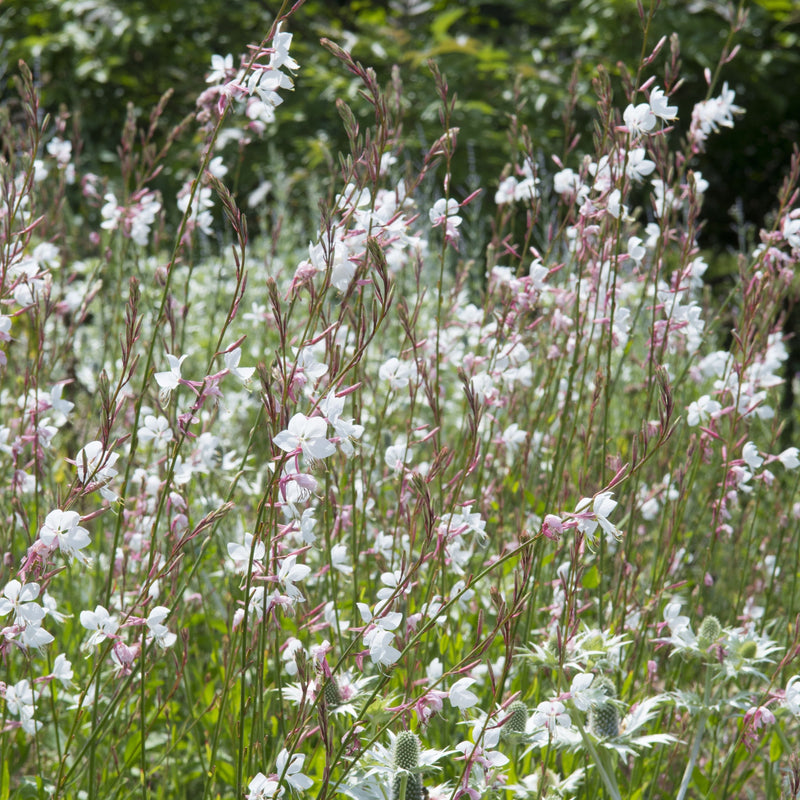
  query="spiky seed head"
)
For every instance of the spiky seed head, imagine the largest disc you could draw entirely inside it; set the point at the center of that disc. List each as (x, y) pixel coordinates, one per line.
(406, 750)
(710, 631)
(414, 790)
(331, 693)
(517, 719)
(605, 685)
(604, 720)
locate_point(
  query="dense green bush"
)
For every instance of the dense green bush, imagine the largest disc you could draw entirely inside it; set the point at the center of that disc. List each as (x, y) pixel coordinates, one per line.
(501, 59)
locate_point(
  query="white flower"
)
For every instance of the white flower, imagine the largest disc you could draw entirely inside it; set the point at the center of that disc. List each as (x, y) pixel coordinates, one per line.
(582, 695)
(19, 598)
(659, 105)
(156, 430)
(240, 553)
(232, 363)
(461, 696)
(96, 465)
(566, 182)
(158, 631)
(381, 648)
(101, 623)
(397, 454)
(601, 506)
(221, 67)
(639, 119)
(398, 373)
(20, 699)
(505, 192)
(791, 700)
(289, 770)
(340, 559)
(169, 380)
(701, 409)
(62, 670)
(551, 714)
(789, 458)
(289, 572)
(307, 434)
(347, 430)
(445, 211)
(63, 528)
(751, 457)
(263, 788)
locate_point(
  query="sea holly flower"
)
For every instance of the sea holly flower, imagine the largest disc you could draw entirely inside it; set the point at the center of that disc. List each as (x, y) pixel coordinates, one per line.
(629, 740)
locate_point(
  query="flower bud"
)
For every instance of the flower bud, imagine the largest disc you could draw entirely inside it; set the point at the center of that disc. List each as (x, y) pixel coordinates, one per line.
(604, 716)
(406, 750)
(749, 649)
(604, 720)
(413, 790)
(331, 693)
(517, 719)
(710, 631)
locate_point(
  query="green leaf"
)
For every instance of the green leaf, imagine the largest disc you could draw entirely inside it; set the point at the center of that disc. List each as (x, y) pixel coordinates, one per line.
(700, 780)
(442, 23)
(591, 579)
(775, 748)
(5, 782)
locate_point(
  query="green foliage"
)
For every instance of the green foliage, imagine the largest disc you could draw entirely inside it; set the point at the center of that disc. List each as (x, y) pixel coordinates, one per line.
(508, 63)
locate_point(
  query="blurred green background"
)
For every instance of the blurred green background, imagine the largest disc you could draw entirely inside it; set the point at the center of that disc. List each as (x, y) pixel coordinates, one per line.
(94, 57)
